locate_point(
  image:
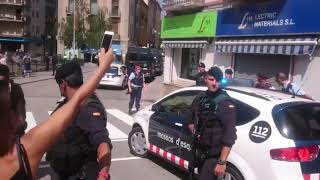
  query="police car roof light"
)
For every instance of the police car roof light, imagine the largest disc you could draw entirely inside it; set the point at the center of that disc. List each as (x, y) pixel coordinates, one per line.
(295, 154)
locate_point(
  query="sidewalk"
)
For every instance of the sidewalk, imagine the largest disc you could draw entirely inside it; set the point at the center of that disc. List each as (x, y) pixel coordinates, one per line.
(46, 75)
(156, 90)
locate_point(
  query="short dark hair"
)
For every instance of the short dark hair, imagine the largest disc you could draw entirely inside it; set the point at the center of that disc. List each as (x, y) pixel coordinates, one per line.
(281, 76)
(202, 65)
(71, 73)
(228, 71)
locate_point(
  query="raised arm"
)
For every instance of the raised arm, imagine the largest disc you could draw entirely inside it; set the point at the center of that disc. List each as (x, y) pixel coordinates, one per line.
(40, 138)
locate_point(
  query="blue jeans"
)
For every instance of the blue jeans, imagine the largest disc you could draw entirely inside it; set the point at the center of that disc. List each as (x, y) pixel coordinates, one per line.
(135, 96)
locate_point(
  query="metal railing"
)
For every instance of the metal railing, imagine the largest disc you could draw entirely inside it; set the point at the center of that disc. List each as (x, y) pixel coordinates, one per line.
(12, 2)
(182, 4)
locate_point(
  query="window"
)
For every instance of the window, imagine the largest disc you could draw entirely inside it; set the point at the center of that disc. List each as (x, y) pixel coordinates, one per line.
(93, 7)
(113, 70)
(298, 121)
(245, 113)
(180, 103)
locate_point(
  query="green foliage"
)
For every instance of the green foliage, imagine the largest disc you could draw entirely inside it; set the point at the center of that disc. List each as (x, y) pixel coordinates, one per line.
(97, 25)
(89, 28)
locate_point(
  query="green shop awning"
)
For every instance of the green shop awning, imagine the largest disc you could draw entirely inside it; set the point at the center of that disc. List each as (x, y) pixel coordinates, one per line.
(198, 25)
(19, 40)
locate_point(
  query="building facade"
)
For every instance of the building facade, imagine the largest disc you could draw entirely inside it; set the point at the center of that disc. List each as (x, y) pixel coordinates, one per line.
(187, 33)
(15, 32)
(27, 25)
(257, 38)
(129, 19)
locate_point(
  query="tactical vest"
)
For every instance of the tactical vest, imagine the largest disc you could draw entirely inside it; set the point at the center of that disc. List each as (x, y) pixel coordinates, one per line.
(138, 79)
(210, 126)
(73, 150)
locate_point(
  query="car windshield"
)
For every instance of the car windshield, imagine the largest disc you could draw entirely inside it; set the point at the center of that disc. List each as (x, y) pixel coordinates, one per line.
(113, 70)
(299, 121)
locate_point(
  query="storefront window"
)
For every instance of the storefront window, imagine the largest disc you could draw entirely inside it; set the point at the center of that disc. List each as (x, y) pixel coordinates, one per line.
(190, 60)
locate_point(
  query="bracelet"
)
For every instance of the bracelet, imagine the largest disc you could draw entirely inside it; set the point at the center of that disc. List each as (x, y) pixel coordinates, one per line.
(222, 162)
(104, 174)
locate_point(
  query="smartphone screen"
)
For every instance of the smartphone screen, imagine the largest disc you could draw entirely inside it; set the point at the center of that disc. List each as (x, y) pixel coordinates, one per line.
(106, 42)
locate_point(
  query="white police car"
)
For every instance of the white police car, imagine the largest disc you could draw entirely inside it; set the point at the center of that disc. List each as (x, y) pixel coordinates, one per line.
(278, 135)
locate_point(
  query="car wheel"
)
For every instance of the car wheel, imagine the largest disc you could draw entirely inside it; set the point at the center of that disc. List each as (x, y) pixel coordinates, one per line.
(137, 142)
(232, 173)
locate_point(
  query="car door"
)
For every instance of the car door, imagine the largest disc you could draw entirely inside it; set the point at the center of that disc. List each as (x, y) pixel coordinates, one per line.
(167, 123)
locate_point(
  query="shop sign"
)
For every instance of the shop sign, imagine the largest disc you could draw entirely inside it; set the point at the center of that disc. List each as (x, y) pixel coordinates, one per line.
(197, 25)
(283, 17)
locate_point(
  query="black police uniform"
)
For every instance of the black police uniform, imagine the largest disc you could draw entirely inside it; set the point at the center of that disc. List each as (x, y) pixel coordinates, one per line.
(85, 134)
(217, 119)
(136, 87)
(200, 78)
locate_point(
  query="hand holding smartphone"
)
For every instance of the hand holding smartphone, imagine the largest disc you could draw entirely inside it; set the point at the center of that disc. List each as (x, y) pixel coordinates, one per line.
(107, 40)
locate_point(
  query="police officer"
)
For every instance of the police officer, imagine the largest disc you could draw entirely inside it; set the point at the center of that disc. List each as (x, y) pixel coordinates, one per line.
(216, 115)
(84, 150)
(201, 75)
(135, 85)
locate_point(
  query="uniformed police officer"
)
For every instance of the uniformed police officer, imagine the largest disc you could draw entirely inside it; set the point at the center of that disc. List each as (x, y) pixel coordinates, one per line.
(135, 85)
(84, 151)
(216, 115)
(200, 77)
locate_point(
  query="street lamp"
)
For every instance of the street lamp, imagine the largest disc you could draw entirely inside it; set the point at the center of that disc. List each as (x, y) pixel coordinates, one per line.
(74, 28)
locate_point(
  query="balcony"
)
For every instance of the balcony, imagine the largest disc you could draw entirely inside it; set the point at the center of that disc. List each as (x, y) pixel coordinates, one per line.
(11, 18)
(11, 2)
(176, 5)
(15, 33)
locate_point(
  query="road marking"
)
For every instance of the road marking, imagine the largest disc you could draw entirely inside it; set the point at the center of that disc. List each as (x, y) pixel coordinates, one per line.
(119, 140)
(125, 159)
(115, 133)
(121, 115)
(30, 120)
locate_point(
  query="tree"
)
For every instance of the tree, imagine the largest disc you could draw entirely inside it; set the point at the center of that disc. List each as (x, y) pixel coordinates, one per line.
(97, 25)
(66, 26)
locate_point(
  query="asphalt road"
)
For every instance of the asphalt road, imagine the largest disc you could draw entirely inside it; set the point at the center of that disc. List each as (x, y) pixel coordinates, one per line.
(41, 98)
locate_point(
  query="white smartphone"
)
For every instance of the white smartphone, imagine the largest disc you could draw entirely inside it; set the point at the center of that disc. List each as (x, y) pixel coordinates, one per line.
(107, 40)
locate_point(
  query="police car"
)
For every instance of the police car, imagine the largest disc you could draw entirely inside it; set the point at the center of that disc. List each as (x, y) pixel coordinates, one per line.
(278, 135)
(115, 76)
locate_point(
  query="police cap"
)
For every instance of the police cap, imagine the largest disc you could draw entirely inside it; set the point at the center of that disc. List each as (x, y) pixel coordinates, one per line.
(216, 73)
(67, 69)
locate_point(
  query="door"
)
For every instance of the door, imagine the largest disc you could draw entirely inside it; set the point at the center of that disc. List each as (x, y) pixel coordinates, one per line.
(169, 120)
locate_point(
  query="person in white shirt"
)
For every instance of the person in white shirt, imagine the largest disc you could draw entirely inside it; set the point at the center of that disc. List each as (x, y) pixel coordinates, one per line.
(290, 87)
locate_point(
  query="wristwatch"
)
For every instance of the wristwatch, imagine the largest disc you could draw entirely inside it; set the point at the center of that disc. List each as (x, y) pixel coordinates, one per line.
(222, 162)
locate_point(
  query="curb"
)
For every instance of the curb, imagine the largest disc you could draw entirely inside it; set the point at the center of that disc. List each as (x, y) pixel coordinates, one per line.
(45, 79)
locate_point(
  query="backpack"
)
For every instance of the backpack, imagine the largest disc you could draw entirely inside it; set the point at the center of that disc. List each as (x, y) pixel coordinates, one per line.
(68, 156)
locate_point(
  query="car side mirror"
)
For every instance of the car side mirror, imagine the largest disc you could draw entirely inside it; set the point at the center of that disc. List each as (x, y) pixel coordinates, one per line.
(156, 108)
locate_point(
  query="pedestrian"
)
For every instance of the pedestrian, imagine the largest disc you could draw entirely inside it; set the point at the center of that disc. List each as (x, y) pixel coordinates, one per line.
(135, 84)
(27, 65)
(54, 64)
(47, 61)
(18, 103)
(201, 75)
(75, 58)
(88, 131)
(290, 87)
(20, 156)
(215, 113)
(262, 82)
